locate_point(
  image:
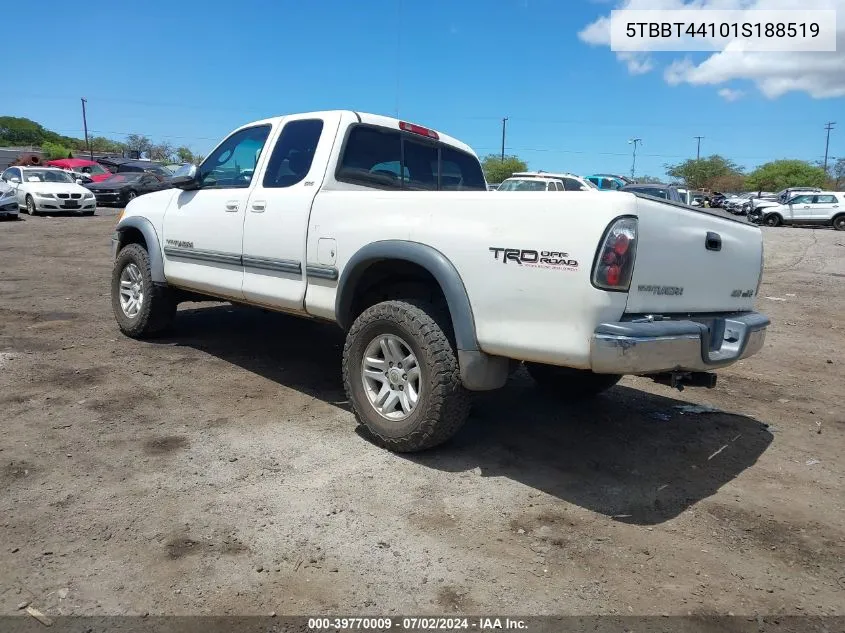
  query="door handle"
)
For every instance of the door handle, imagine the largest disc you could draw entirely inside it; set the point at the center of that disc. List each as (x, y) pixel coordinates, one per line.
(258, 206)
(232, 206)
(806, 206)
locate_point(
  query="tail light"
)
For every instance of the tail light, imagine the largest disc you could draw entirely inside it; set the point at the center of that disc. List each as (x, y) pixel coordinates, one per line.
(418, 129)
(614, 263)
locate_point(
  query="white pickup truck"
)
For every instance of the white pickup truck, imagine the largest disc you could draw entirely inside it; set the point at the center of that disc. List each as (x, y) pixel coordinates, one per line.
(387, 229)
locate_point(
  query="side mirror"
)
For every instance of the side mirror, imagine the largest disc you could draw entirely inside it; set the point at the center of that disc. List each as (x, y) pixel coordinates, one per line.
(186, 179)
(15, 180)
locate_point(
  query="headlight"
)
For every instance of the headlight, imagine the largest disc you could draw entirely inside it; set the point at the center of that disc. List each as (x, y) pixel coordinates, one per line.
(44, 195)
(88, 195)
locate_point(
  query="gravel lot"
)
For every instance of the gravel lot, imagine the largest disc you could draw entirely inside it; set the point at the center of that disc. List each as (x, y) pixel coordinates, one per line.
(218, 470)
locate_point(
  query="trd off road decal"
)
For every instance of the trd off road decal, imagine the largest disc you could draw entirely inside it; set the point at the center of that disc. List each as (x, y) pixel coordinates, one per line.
(555, 260)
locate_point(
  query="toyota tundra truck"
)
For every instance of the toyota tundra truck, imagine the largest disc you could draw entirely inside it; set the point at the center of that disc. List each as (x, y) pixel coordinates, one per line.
(442, 288)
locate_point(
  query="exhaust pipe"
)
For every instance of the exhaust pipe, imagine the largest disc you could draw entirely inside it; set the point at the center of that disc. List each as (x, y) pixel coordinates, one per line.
(680, 379)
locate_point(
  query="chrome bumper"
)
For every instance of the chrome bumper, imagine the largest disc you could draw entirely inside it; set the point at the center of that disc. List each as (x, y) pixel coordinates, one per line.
(649, 346)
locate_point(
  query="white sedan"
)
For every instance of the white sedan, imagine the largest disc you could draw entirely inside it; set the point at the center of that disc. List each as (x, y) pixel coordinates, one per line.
(44, 189)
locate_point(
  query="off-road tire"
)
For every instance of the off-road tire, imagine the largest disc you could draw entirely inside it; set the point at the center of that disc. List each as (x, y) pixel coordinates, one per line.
(773, 220)
(443, 404)
(839, 222)
(570, 384)
(158, 306)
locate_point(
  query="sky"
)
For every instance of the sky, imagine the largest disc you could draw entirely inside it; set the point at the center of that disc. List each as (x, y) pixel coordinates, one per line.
(191, 71)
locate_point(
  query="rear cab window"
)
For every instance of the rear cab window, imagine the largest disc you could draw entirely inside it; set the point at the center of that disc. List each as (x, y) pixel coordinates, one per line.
(385, 158)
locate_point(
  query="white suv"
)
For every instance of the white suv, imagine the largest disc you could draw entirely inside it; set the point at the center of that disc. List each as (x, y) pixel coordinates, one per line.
(545, 181)
(823, 207)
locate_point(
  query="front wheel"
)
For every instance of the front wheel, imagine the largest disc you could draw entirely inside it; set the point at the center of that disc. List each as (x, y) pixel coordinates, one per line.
(140, 307)
(568, 383)
(401, 375)
(30, 206)
(772, 220)
(839, 222)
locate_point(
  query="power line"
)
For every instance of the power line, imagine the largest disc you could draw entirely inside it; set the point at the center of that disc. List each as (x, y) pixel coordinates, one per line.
(635, 141)
(504, 125)
(828, 127)
(698, 150)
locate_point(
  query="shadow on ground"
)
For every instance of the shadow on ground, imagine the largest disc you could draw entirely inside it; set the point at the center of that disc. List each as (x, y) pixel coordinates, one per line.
(628, 454)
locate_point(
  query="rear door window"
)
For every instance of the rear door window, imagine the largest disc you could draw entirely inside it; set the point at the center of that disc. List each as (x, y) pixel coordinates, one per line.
(291, 159)
(382, 157)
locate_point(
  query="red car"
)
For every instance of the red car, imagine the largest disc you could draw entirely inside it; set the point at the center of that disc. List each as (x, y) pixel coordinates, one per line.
(94, 171)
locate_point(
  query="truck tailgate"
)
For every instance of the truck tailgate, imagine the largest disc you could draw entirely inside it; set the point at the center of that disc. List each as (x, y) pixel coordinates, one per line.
(693, 261)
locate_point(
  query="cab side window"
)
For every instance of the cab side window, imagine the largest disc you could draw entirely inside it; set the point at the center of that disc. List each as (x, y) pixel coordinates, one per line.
(291, 159)
(826, 199)
(232, 165)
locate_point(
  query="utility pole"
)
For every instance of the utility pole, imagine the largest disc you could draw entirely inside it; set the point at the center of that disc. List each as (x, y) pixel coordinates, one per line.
(504, 125)
(698, 151)
(828, 127)
(634, 164)
(85, 125)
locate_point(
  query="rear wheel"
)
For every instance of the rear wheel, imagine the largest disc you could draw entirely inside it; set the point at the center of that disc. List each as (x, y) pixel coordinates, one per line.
(140, 307)
(400, 371)
(839, 222)
(773, 220)
(568, 383)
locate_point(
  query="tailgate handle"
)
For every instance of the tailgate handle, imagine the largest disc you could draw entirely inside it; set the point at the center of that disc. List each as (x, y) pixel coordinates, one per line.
(713, 242)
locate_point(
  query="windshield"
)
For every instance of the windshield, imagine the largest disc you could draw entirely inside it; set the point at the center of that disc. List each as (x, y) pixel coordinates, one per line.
(94, 170)
(46, 175)
(523, 185)
(119, 179)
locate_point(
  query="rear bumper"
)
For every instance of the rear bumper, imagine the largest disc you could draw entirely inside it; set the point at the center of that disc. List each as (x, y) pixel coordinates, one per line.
(649, 347)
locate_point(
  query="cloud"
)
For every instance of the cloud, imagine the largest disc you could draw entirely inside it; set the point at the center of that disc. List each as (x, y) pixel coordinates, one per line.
(821, 75)
(728, 94)
(638, 63)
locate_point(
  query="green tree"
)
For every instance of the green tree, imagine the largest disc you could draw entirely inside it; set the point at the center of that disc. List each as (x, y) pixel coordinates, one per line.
(103, 144)
(55, 151)
(184, 154)
(703, 173)
(647, 180)
(138, 143)
(839, 173)
(780, 174)
(161, 151)
(496, 170)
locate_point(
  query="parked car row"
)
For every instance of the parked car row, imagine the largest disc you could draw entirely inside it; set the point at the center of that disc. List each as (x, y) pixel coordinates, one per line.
(45, 189)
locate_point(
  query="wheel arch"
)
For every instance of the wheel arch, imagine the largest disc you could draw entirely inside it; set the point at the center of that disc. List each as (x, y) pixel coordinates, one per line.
(441, 269)
(128, 231)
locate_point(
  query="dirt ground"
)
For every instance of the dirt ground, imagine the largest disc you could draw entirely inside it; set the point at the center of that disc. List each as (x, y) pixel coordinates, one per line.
(218, 470)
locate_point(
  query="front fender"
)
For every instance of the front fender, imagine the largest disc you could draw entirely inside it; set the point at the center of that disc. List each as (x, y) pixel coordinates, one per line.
(146, 228)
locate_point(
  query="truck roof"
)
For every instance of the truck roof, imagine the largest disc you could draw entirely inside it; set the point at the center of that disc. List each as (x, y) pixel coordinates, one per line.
(372, 119)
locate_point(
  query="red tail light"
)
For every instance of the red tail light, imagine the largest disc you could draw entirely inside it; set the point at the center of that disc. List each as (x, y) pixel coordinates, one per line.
(614, 265)
(418, 129)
